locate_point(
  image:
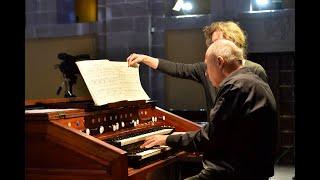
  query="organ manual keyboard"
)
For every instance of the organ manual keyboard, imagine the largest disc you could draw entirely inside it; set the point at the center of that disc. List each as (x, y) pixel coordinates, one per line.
(70, 138)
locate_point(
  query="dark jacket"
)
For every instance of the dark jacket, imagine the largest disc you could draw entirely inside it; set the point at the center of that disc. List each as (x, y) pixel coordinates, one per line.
(240, 138)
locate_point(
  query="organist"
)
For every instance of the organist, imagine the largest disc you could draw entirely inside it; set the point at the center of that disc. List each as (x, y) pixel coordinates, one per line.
(240, 138)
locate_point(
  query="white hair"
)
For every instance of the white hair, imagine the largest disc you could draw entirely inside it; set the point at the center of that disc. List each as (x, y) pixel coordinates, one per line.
(226, 49)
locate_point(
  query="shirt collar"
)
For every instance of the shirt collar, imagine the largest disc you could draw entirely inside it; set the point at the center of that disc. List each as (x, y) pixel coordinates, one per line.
(234, 73)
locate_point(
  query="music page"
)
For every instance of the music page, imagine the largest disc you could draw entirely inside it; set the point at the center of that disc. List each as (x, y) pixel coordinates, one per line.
(111, 81)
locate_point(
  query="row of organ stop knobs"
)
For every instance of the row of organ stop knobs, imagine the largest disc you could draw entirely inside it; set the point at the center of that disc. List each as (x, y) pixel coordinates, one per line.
(116, 126)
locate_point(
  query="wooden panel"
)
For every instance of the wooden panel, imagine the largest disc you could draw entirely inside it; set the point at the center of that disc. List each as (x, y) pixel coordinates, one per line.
(58, 149)
(143, 172)
(181, 93)
(42, 79)
(47, 154)
(180, 123)
(45, 159)
(30, 102)
(66, 174)
(84, 144)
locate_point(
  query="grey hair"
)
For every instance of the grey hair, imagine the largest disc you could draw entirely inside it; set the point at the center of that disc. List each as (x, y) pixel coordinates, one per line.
(226, 49)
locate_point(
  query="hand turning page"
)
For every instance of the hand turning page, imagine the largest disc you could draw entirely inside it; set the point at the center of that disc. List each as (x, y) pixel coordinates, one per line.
(111, 81)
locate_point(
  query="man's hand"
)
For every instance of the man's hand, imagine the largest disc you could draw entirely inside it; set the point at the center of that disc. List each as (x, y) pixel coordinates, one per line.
(134, 59)
(154, 140)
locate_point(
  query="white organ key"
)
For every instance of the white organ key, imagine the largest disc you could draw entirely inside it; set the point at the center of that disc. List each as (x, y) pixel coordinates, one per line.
(148, 153)
(142, 137)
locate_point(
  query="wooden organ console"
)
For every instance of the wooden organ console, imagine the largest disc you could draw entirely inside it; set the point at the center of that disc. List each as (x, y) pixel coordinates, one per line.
(69, 138)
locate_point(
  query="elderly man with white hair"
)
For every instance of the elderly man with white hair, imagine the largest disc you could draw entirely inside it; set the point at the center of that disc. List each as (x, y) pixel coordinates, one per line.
(240, 139)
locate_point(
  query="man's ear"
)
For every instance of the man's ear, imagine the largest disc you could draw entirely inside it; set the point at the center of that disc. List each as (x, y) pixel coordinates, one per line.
(220, 62)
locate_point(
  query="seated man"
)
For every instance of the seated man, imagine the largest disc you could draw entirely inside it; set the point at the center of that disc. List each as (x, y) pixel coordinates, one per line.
(240, 139)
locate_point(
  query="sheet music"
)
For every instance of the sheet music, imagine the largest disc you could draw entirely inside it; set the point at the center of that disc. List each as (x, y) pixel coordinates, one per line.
(111, 81)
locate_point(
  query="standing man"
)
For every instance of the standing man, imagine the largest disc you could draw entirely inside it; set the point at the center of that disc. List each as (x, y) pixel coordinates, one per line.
(240, 139)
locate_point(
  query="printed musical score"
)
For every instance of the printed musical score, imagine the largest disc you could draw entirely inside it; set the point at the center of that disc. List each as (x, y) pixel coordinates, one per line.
(111, 81)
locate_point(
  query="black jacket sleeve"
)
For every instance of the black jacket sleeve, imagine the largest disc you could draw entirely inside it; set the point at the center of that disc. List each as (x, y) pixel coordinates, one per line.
(257, 69)
(261, 73)
(214, 134)
(186, 71)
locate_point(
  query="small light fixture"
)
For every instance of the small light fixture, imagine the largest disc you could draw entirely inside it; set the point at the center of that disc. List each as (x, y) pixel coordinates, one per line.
(187, 6)
(178, 5)
(262, 3)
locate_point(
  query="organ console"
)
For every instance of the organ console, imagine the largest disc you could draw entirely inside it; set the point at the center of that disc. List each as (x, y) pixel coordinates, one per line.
(68, 138)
